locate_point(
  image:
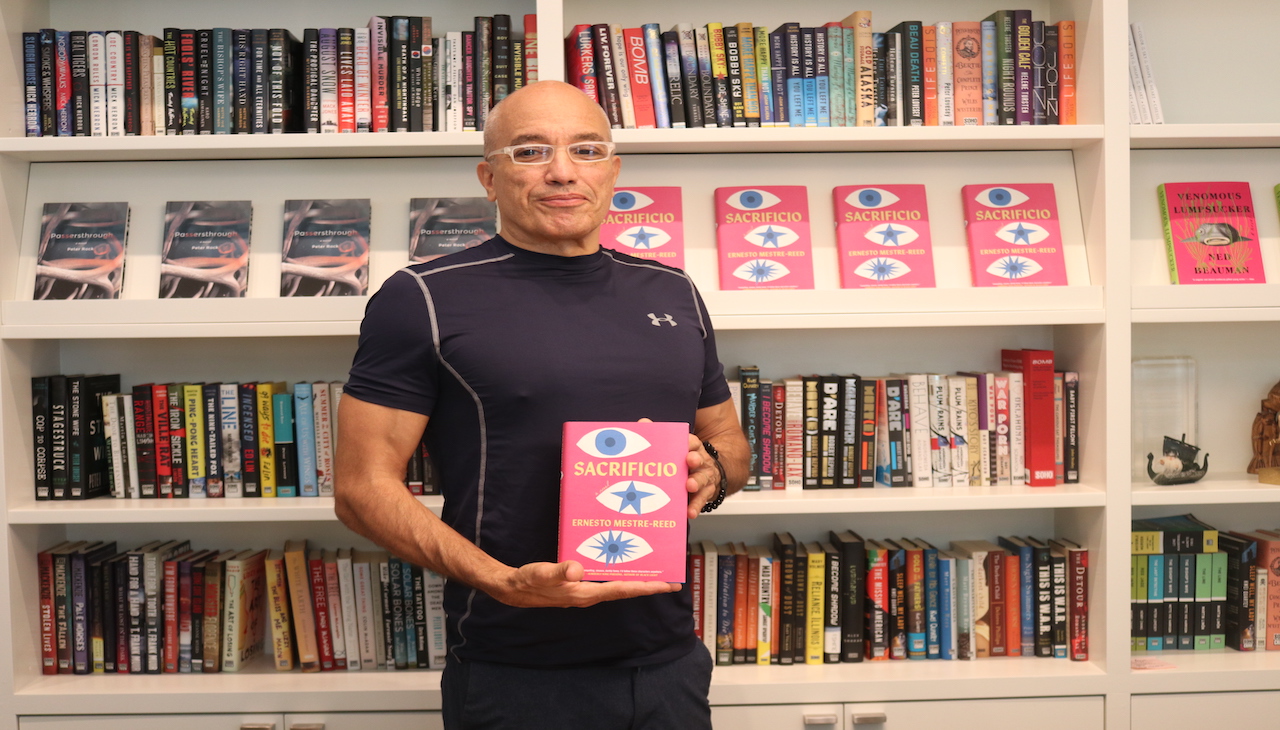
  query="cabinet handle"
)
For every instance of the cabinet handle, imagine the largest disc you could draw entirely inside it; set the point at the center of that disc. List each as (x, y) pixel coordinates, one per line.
(868, 718)
(821, 719)
(257, 726)
(307, 726)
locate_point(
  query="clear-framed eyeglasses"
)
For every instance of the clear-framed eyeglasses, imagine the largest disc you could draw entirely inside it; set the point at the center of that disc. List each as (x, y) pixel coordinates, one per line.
(542, 154)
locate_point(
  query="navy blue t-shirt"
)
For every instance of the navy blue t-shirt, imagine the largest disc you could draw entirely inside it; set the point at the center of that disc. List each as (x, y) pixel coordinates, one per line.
(500, 346)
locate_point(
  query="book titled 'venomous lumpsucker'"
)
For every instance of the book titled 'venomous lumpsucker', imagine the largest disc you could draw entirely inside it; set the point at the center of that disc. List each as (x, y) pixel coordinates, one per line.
(326, 248)
(81, 253)
(647, 223)
(206, 249)
(1210, 233)
(762, 235)
(623, 499)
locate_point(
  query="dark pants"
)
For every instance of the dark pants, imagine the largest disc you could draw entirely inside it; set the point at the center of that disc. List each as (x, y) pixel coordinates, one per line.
(484, 696)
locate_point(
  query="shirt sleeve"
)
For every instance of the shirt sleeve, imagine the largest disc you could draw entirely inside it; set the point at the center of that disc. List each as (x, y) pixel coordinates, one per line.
(714, 388)
(395, 364)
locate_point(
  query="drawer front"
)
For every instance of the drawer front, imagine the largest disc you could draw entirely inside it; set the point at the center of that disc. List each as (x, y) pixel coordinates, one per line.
(1205, 709)
(151, 722)
(363, 721)
(1041, 713)
(778, 717)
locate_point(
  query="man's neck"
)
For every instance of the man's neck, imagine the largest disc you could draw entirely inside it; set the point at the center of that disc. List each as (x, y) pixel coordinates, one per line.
(564, 247)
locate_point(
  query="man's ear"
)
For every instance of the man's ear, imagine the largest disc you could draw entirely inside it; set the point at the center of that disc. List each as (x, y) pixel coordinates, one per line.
(484, 171)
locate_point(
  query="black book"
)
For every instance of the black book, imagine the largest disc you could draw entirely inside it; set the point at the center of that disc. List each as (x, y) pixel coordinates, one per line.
(59, 456)
(48, 82)
(259, 81)
(92, 450)
(879, 70)
(830, 408)
(502, 71)
(809, 72)
(204, 80)
(911, 61)
(898, 607)
(799, 618)
(145, 437)
(415, 77)
(1043, 596)
(398, 73)
(809, 409)
(606, 82)
(706, 78)
(430, 94)
(468, 80)
(419, 616)
(778, 64)
(1240, 610)
(686, 50)
(833, 605)
(106, 610)
(852, 591)
(893, 76)
(79, 60)
(309, 83)
(177, 440)
(517, 65)
(749, 379)
(213, 480)
(282, 50)
(483, 68)
(172, 89)
(31, 83)
(249, 440)
(1051, 77)
(40, 435)
(675, 84)
(784, 547)
(895, 391)
(120, 608)
(132, 89)
(733, 58)
(1039, 99)
(849, 477)
(82, 598)
(867, 432)
(241, 82)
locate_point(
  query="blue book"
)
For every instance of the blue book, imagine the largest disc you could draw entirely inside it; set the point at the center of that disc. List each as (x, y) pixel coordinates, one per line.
(286, 450)
(822, 76)
(795, 76)
(932, 605)
(727, 568)
(946, 606)
(410, 626)
(305, 435)
(400, 649)
(223, 76)
(31, 82)
(809, 72)
(990, 104)
(1026, 585)
(657, 74)
(778, 75)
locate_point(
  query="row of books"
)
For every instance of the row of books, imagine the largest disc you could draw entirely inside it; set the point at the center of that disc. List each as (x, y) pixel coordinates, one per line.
(1005, 70)
(1016, 426)
(188, 440)
(164, 607)
(1194, 587)
(389, 76)
(847, 599)
(1144, 97)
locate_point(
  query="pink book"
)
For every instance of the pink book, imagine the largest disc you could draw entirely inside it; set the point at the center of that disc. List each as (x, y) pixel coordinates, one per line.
(1013, 233)
(883, 237)
(763, 237)
(647, 223)
(1210, 233)
(623, 499)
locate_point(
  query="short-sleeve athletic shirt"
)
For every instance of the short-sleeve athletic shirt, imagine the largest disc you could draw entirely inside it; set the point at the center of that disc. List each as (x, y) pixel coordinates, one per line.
(500, 346)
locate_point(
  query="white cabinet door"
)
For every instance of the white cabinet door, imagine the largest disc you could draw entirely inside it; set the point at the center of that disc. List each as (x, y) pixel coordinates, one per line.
(363, 721)
(1042, 713)
(152, 722)
(778, 717)
(1205, 709)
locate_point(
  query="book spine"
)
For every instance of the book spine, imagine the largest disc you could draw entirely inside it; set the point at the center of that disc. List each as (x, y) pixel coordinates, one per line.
(363, 81)
(1067, 73)
(286, 453)
(144, 436)
(177, 431)
(468, 68)
(161, 438)
(214, 477)
(1022, 54)
(323, 439)
(78, 61)
(221, 62)
(1052, 75)
(230, 439)
(305, 438)
(62, 83)
(733, 68)
(675, 91)
(483, 61)
(169, 608)
(320, 601)
(32, 84)
(580, 61)
(380, 76)
(1039, 98)
(248, 410)
(329, 73)
(241, 78)
(643, 83)
(266, 440)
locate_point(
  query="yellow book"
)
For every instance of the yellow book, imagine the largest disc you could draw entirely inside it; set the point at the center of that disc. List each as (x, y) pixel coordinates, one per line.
(266, 440)
(815, 592)
(304, 618)
(243, 614)
(750, 84)
(865, 60)
(720, 74)
(193, 404)
(278, 611)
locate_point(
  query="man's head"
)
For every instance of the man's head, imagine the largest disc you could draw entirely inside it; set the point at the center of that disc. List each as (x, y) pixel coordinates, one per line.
(556, 207)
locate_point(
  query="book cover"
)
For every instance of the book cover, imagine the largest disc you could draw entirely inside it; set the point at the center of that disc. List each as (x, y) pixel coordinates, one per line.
(882, 233)
(1013, 235)
(439, 226)
(622, 499)
(326, 248)
(1210, 234)
(82, 248)
(206, 249)
(762, 235)
(646, 222)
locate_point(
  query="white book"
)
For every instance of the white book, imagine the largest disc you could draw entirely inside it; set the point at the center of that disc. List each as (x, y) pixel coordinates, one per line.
(97, 43)
(940, 430)
(381, 575)
(111, 423)
(710, 580)
(130, 444)
(335, 399)
(455, 80)
(243, 607)
(441, 70)
(1148, 74)
(436, 648)
(1017, 431)
(622, 76)
(347, 593)
(897, 60)
(364, 82)
(958, 409)
(1136, 83)
(333, 592)
(1135, 116)
(229, 426)
(921, 439)
(157, 88)
(115, 84)
(946, 77)
(328, 85)
(793, 427)
(1260, 623)
(323, 420)
(362, 579)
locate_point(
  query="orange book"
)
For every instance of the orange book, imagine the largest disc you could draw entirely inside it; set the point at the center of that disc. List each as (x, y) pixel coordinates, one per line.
(278, 607)
(967, 68)
(753, 600)
(1269, 560)
(929, 46)
(1013, 604)
(304, 621)
(740, 603)
(1067, 73)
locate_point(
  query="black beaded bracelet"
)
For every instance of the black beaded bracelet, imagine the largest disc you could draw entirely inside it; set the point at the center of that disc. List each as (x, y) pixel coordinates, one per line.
(724, 480)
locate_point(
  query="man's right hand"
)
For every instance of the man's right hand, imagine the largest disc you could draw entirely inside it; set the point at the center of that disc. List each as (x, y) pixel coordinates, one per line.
(538, 585)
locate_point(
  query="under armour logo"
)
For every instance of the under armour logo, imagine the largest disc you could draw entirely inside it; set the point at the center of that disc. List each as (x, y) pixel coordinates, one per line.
(657, 321)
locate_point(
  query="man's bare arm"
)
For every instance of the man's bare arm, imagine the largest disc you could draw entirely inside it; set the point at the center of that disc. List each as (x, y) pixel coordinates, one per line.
(719, 425)
(374, 445)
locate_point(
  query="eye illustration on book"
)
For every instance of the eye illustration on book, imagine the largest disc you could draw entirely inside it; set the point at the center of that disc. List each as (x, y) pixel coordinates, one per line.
(871, 198)
(645, 237)
(611, 547)
(891, 234)
(1022, 233)
(771, 236)
(612, 443)
(1001, 197)
(625, 201)
(882, 269)
(761, 270)
(753, 199)
(638, 497)
(1014, 267)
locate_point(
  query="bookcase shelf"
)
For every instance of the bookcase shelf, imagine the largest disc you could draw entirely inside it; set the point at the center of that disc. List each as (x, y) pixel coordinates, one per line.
(241, 146)
(941, 499)
(857, 139)
(1225, 488)
(1204, 136)
(1201, 671)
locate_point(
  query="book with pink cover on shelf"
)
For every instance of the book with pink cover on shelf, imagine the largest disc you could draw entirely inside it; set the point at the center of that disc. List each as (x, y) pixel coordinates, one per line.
(1210, 233)
(762, 235)
(882, 233)
(646, 222)
(1013, 234)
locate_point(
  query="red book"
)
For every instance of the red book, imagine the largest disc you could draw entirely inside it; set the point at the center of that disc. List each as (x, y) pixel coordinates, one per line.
(929, 46)
(335, 609)
(638, 69)
(187, 81)
(48, 652)
(1036, 367)
(346, 81)
(877, 604)
(1013, 604)
(164, 446)
(580, 61)
(320, 601)
(378, 72)
(169, 587)
(531, 48)
(697, 561)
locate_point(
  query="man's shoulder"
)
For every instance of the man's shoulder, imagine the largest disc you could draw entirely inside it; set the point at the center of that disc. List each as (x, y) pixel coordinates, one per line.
(644, 264)
(487, 252)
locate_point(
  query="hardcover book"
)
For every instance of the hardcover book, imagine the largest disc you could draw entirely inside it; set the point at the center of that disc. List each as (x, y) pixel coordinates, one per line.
(1013, 234)
(883, 237)
(206, 249)
(646, 222)
(81, 254)
(1210, 234)
(762, 235)
(326, 248)
(623, 499)
(439, 226)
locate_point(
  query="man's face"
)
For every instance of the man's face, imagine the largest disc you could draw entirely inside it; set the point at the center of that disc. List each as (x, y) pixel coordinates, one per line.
(560, 202)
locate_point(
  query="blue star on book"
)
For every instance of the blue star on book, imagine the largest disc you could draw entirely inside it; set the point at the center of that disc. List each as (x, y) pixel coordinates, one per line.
(613, 547)
(631, 498)
(770, 237)
(1022, 233)
(641, 238)
(890, 234)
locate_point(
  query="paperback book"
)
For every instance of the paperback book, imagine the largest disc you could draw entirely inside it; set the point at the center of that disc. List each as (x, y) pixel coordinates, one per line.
(439, 226)
(1210, 234)
(882, 234)
(326, 248)
(647, 223)
(1013, 234)
(623, 499)
(762, 235)
(81, 254)
(206, 249)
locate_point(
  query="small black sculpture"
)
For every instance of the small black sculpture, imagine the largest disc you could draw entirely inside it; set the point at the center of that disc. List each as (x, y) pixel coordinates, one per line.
(1177, 464)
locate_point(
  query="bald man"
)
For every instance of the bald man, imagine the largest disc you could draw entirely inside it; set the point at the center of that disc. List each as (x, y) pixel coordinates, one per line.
(491, 350)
